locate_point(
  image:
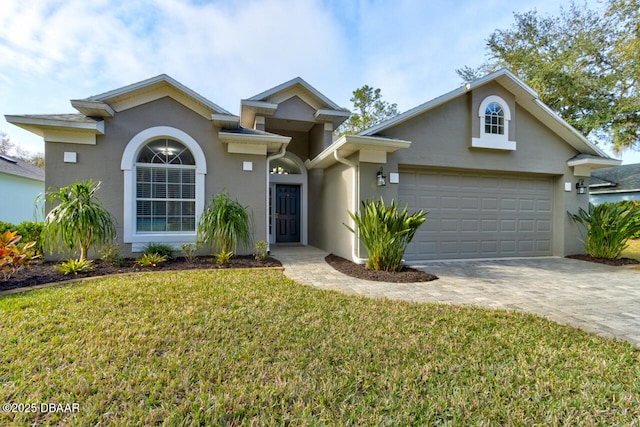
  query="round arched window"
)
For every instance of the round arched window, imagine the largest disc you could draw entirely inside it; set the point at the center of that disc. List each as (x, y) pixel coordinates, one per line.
(284, 166)
(165, 187)
(494, 119)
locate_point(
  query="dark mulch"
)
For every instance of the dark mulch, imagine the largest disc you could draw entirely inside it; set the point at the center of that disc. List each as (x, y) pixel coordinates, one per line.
(407, 275)
(43, 272)
(608, 261)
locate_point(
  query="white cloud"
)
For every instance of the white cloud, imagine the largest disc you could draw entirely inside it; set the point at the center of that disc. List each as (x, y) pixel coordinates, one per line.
(55, 50)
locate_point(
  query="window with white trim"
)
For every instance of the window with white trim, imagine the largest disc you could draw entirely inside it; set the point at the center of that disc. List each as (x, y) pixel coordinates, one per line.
(494, 117)
(165, 188)
(164, 172)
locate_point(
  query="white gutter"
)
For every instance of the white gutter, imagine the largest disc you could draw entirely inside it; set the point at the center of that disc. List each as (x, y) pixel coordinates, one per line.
(355, 246)
(281, 153)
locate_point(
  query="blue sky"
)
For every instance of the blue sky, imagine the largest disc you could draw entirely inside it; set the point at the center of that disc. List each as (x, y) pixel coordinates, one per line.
(52, 51)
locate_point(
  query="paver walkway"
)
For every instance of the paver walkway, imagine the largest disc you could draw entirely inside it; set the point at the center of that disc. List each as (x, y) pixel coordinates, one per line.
(597, 298)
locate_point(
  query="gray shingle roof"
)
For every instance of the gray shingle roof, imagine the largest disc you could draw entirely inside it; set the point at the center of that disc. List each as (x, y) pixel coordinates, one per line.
(625, 177)
(16, 167)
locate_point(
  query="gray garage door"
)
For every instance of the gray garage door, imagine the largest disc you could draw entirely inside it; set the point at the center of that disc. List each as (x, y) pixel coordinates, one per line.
(476, 215)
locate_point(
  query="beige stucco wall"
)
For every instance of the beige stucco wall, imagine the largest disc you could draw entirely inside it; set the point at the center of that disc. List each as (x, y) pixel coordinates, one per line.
(442, 138)
(101, 162)
(330, 199)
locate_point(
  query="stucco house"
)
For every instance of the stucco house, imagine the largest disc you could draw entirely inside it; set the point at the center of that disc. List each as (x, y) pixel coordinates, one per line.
(20, 185)
(615, 184)
(495, 167)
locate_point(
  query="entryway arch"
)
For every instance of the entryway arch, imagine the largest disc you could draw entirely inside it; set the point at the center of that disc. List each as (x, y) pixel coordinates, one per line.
(287, 208)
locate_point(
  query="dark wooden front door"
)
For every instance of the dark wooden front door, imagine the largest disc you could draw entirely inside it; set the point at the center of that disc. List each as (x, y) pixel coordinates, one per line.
(287, 213)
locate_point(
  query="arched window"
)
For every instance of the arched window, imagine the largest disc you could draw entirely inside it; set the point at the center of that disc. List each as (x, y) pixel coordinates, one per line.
(164, 176)
(494, 119)
(165, 187)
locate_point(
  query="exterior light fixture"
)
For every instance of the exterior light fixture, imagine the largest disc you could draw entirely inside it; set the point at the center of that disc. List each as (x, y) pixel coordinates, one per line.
(381, 177)
(580, 187)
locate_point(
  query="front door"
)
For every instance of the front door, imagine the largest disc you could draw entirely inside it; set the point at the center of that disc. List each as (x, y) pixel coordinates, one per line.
(287, 213)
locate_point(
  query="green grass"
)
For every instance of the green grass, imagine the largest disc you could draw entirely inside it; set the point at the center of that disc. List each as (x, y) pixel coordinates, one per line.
(633, 251)
(254, 348)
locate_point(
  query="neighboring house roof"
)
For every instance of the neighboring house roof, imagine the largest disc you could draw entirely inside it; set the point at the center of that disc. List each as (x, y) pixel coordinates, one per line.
(17, 167)
(618, 179)
(524, 95)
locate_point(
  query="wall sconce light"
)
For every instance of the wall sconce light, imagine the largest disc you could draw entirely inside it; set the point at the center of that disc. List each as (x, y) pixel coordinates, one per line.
(381, 177)
(580, 187)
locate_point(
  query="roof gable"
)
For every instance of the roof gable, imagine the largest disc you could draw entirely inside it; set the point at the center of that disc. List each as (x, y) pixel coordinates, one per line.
(149, 90)
(296, 87)
(526, 97)
(268, 102)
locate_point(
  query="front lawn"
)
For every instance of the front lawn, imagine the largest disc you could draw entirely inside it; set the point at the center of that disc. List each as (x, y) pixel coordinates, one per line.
(633, 251)
(254, 348)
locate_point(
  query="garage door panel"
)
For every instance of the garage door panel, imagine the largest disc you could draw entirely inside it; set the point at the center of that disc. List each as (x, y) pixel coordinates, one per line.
(475, 216)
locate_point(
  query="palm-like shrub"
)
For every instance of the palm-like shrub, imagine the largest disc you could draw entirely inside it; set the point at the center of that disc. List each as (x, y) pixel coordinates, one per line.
(386, 232)
(224, 224)
(607, 227)
(77, 219)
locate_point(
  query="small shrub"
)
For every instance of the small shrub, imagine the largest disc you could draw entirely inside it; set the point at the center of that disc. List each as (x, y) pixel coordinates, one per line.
(30, 232)
(13, 255)
(223, 257)
(150, 259)
(189, 251)
(161, 249)
(112, 254)
(385, 232)
(607, 227)
(74, 266)
(260, 251)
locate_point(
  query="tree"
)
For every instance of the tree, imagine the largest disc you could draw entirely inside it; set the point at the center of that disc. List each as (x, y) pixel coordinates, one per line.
(77, 219)
(368, 110)
(223, 224)
(10, 148)
(584, 64)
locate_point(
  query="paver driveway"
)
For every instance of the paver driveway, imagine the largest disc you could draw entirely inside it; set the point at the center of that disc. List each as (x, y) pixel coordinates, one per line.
(597, 298)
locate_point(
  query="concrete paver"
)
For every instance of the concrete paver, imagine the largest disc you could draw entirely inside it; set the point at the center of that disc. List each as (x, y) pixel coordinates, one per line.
(597, 298)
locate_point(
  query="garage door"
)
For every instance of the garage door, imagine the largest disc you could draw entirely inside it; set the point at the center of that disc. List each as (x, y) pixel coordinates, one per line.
(473, 215)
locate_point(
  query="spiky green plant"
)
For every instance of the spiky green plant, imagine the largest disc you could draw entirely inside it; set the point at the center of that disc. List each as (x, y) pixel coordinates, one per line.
(607, 227)
(225, 224)
(77, 219)
(74, 266)
(385, 232)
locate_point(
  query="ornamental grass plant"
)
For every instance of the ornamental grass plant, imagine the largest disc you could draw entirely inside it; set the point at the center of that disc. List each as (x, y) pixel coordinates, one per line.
(225, 224)
(77, 220)
(608, 227)
(385, 232)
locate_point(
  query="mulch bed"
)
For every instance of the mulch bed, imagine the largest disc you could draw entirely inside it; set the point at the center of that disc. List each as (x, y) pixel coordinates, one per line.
(42, 272)
(608, 261)
(407, 275)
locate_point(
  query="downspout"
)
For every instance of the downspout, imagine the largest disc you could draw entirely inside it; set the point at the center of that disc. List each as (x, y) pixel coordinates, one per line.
(281, 153)
(355, 246)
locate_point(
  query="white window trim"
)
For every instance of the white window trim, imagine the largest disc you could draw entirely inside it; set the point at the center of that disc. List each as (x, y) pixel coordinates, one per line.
(490, 140)
(140, 240)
